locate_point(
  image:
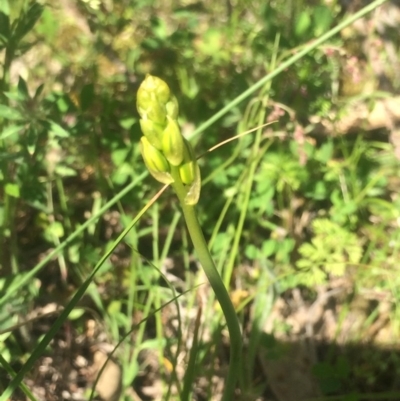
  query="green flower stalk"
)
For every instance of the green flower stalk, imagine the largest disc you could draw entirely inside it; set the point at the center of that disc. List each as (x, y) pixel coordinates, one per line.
(170, 159)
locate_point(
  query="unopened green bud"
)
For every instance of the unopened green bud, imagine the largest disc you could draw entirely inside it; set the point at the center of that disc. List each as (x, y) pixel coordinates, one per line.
(187, 169)
(172, 107)
(155, 161)
(188, 152)
(153, 132)
(143, 101)
(157, 113)
(152, 98)
(156, 85)
(187, 172)
(193, 194)
(172, 143)
(163, 147)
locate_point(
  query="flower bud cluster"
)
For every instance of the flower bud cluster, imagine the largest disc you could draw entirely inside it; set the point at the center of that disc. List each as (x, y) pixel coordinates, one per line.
(163, 146)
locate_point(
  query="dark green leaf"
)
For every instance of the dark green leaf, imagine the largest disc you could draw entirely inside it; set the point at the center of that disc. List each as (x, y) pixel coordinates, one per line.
(23, 88)
(24, 47)
(39, 91)
(4, 26)
(322, 16)
(27, 21)
(3, 42)
(31, 140)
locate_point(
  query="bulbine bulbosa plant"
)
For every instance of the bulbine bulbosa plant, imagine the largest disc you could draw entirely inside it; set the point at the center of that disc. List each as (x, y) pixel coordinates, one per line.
(170, 159)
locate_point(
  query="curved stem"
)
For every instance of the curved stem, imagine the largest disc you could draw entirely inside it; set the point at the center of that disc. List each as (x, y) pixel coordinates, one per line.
(221, 293)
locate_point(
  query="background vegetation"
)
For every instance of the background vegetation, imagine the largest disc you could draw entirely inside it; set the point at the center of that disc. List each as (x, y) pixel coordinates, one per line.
(302, 216)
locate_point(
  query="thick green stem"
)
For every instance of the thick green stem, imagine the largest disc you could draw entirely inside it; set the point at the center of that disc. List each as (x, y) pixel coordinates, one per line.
(218, 287)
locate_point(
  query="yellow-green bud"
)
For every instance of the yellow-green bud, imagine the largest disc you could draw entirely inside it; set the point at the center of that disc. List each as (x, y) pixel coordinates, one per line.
(152, 98)
(153, 132)
(188, 152)
(152, 86)
(163, 147)
(157, 86)
(172, 143)
(143, 100)
(172, 108)
(157, 113)
(188, 167)
(193, 194)
(155, 161)
(187, 172)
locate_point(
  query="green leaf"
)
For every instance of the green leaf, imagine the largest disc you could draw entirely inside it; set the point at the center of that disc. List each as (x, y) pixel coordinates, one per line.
(303, 24)
(322, 19)
(9, 113)
(154, 343)
(252, 252)
(63, 104)
(127, 123)
(311, 278)
(23, 88)
(12, 190)
(14, 96)
(114, 307)
(122, 174)
(131, 371)
(76, 313)
(3, 42)
(55, 229)
(32, 139)
(319, 191)
(24, 48)
(5, 7)
(64, 171)
(4, 27)
(325, 152)
(269, 247)
(27, 21)
(58, 131)
(11, 130)
(118, 156)
(332, 248)
(38, 91)
(48, 26)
